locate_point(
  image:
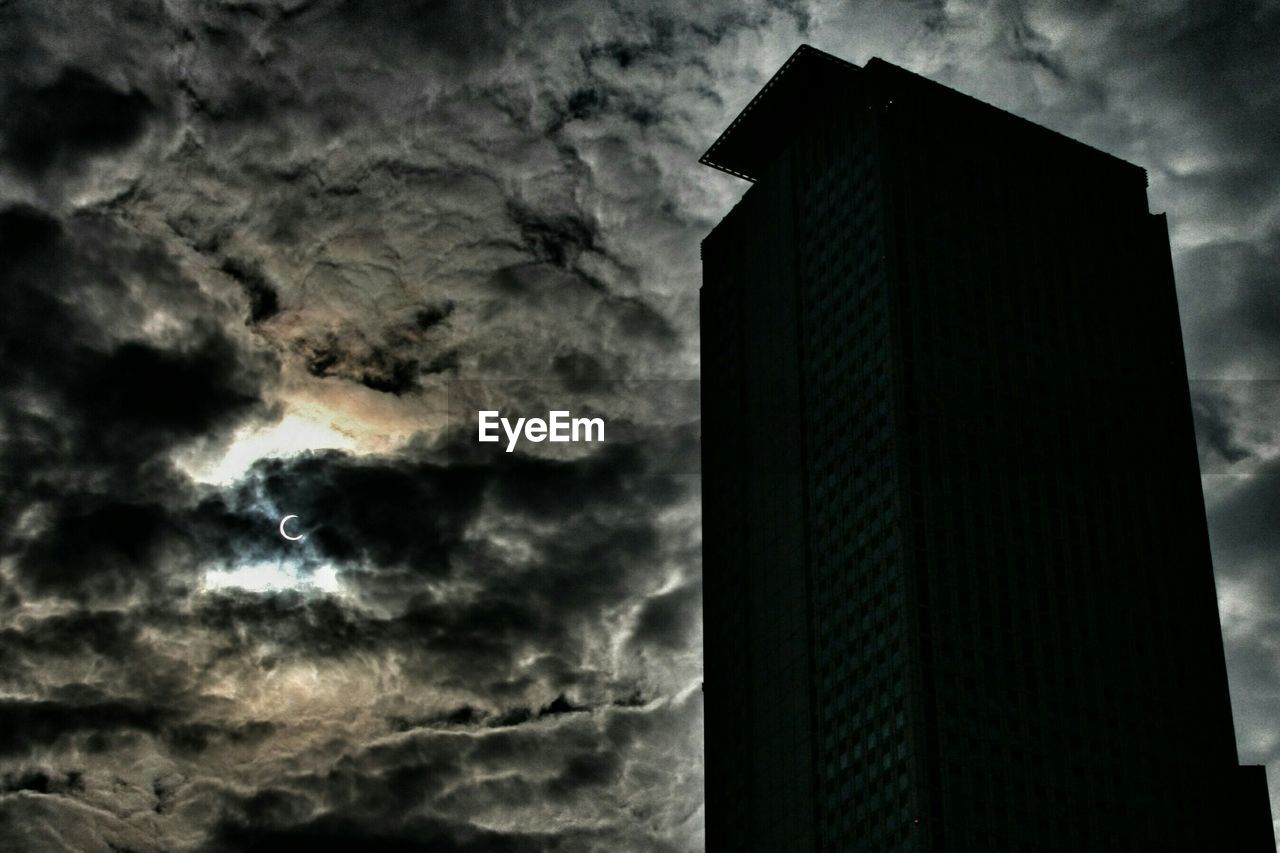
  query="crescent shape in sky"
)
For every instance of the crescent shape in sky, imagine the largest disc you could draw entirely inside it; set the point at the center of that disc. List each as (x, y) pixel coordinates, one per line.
(284, 532)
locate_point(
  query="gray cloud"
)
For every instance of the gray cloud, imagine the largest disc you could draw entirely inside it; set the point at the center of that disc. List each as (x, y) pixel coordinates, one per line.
(219, 217)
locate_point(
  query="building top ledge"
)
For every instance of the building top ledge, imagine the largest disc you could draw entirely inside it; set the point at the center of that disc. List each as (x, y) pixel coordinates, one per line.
(808, 78)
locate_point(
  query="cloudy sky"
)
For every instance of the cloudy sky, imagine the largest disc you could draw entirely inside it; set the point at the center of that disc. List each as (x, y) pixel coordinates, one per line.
(252, 254)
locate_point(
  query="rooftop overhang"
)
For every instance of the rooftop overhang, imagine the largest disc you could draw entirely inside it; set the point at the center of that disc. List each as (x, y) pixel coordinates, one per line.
(805, 82)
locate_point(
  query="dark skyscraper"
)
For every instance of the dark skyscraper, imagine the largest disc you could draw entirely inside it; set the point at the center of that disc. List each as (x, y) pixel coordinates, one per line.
(958, 589)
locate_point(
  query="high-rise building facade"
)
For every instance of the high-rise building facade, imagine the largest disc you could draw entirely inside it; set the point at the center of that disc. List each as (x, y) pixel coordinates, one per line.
(957, 584)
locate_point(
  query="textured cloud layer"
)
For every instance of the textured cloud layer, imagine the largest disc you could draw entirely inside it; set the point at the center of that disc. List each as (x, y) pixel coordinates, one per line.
(247, 252)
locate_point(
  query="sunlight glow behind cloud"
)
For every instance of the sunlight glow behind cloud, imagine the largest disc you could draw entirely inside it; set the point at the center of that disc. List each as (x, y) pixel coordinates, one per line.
(296, 433)
(271, 577)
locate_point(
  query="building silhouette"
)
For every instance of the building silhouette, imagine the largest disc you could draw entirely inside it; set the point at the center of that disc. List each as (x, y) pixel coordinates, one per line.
(957, 584)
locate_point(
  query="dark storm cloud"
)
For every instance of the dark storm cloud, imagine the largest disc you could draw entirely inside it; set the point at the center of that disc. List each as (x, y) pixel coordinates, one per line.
(1233, 299)
(42, 781)
(332, 199)
(1246, 539)
(92, 410)
(395, 791)
(400, 524)
(414, 836)
(379, 367)
(61, 123)
(198, 737)
(453, 30)
(548, 223)
(580, 370)
(339, 200)
(1222, 61)
(27, 724)
(97, 546)
(112, 634)
(137, 397)
(540, 286)
(264, 300)
(1245, 533)
(668, 619)
(1215, 416)
(465, 715)
(390, 513)
(558, 240)
(122, 397)
(433, 315)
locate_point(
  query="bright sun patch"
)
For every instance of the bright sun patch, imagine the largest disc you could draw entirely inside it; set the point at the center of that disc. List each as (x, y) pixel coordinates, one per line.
(272, 577)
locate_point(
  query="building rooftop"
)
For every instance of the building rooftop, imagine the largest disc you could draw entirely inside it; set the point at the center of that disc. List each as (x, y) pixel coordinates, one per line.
(807, 80)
